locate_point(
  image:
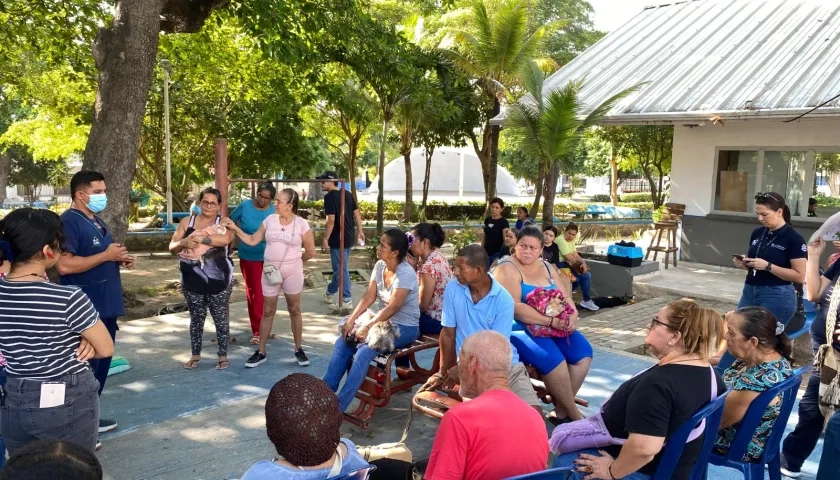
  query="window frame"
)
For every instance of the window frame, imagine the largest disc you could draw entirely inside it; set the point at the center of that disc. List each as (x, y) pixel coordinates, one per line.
(810, 172)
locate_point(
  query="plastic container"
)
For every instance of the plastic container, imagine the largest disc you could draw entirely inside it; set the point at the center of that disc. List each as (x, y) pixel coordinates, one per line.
(624, 256)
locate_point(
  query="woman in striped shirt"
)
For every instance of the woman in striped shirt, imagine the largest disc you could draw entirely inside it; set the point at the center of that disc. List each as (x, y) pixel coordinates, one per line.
(49, 333)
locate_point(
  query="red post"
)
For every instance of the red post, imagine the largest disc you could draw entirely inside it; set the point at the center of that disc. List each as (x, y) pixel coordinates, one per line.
(222, 172)
(341, 247)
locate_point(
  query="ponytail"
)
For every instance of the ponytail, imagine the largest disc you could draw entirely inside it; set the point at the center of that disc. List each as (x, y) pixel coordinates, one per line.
(784, 346)
(786, 214)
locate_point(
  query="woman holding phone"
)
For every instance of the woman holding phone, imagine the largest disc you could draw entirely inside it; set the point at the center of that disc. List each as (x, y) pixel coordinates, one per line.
(775, 259)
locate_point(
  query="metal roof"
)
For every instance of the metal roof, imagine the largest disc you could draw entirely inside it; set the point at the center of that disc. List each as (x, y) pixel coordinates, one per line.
(715, 58)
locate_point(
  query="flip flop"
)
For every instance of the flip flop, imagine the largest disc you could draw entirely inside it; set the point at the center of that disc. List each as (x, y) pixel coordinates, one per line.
(272, 336)
(255, 341)
(192, 364)
(222, 364)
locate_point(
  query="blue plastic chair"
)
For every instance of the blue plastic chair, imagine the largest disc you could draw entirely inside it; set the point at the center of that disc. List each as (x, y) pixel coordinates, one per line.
(810, 309)
(712, 413)
(360, 474)
(552, 474)
(752, 419)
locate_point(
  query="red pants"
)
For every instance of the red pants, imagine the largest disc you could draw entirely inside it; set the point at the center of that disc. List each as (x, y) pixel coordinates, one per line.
(252, 272)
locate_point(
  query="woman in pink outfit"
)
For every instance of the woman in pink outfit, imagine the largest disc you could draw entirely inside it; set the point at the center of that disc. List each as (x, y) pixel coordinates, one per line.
(285, 235)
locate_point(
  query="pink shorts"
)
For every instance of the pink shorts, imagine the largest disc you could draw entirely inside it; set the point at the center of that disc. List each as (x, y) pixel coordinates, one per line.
(292, 284)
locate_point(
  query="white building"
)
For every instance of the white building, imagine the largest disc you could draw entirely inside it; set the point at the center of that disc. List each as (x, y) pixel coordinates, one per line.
(752, 88)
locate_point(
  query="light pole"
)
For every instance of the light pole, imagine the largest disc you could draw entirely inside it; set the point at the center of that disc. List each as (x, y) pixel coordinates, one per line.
(166, 65)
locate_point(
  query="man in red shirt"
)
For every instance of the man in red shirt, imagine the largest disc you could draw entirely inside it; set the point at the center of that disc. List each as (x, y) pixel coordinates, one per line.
(495, 435)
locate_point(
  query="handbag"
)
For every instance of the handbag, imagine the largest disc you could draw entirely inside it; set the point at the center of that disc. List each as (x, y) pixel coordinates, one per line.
(828, 363)
(270, 271)
(592, 432)
(577, 268)
(549, 302)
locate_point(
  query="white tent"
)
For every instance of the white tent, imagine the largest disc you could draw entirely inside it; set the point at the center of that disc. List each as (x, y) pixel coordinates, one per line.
(455, 172)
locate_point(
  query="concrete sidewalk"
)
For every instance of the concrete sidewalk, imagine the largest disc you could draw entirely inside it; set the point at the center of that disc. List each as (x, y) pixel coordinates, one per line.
(702, 282)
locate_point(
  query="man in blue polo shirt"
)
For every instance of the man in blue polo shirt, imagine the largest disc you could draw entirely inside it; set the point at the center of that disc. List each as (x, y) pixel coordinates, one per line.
(91, 261)
(476, 302)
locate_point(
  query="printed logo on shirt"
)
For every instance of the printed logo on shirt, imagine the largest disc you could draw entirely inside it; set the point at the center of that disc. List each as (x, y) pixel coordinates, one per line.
(755, 241)
(804, 248)
(490, 225)
(96, 242)
(778, 247)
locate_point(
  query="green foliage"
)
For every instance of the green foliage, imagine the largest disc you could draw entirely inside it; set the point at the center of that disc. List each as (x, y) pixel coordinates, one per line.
(599, 198)
(824, 201)
(460, 238)
(577, 33)
(636, 197)
(31, 175)
(648, 148)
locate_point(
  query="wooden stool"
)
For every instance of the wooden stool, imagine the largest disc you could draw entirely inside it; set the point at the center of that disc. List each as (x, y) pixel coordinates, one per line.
(670, 231)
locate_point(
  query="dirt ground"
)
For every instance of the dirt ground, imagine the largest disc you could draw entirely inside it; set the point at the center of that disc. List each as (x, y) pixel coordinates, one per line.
(154, 283)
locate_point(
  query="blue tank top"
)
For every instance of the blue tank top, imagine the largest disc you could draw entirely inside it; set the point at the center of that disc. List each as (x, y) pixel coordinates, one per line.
(527, 288)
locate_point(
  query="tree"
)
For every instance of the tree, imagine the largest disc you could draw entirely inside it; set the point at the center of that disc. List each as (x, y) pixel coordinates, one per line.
(565, 41)
(31, 174)
(828, 163)
(492, 48)
(550, 126)
(343, 119)
(648, 148)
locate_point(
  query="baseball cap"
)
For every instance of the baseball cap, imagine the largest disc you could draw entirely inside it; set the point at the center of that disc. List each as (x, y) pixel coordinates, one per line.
(327, 176)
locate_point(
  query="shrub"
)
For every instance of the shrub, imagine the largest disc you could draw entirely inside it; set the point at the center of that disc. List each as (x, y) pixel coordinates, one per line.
(636, 197)
(600, 198)
(823, 201)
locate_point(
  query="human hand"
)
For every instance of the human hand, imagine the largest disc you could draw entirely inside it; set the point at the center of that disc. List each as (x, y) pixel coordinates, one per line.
(85, 351)
(451, 379)
(325, 246)
(815, 249)
(756, 263)
(193, 241)
(432, 383)
(739, 262)
(348, 327)
(228, 223)
(362, 333)
(596, 467)
(116, 252)
(128, 262)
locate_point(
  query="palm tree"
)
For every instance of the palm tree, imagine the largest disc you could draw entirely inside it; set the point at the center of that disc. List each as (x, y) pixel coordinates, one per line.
(549, 125)
(492, 48)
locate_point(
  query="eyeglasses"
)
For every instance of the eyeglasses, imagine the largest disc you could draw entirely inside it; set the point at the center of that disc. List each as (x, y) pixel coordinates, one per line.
(209, 204)
(655, 320)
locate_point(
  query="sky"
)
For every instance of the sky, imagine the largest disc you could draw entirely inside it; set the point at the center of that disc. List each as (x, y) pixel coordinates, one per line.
(611, 14)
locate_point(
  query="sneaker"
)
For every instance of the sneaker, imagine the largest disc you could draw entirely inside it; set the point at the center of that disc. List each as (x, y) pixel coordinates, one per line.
(301, 357)
(107, 425)
(328, 299)
(256, 359)
(98, 445)
(346, 306)
(789, 473)
(589, 305)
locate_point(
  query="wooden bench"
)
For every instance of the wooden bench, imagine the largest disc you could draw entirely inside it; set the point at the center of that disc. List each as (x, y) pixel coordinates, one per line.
(436, 404)
(378, 386)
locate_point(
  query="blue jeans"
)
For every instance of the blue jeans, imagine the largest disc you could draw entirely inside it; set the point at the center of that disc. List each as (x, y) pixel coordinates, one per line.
(332, 288)
(780, 300)
(101, 366)
(799, 444)
(567, 460)
(830, 461)
(354, 362)
(585, 283)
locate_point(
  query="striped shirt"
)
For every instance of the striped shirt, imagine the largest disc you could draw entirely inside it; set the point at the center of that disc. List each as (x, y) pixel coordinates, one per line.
(40, 328)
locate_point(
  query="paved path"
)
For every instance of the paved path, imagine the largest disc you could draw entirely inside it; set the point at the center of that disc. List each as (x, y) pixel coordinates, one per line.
(205, 424)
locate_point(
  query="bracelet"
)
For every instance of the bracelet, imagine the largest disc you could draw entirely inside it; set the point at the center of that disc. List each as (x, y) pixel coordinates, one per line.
(609, 470)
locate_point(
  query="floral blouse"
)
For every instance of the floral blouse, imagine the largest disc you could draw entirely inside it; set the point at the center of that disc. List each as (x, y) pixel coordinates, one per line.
(755, 379)
(437, 266)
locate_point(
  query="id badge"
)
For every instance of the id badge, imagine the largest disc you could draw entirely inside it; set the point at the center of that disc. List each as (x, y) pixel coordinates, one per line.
(52, 394)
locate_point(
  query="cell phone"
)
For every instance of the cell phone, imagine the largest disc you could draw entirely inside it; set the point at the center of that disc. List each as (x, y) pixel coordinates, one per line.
(739, 257)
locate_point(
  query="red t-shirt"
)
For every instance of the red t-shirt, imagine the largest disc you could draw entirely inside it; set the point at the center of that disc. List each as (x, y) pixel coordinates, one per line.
(494, 436)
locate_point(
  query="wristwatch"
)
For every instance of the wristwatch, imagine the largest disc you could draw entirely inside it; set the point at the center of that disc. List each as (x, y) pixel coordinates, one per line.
(769, 267)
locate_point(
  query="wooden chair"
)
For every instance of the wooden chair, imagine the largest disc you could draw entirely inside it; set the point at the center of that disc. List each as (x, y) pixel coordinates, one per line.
(377, 388)
(668, 225)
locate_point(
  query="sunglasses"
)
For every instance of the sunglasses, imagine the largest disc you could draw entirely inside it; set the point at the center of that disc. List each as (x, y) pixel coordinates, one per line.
(655, 320)
(765, 196)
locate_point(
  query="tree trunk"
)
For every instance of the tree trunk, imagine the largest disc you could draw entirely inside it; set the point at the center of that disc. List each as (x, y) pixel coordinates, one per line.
(535, 207)
(430, 153)
(549, 192)
(352, 149)
(613, 180)
(380, 198)
(125, 55)
(409, 187)
(5, 169)
(492, 159)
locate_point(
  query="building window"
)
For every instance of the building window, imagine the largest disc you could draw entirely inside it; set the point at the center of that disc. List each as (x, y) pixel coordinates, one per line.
(826, 190)
(784, 172)
(736, 178)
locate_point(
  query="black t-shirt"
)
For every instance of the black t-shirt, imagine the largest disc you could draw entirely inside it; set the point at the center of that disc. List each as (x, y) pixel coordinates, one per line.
(779, 248)
(494, 235)
(551, 254)
(818, 326)
(332, 206)
(658, 402)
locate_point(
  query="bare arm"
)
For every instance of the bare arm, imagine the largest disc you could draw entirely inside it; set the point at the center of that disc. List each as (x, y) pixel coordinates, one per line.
(69, 264)
(100, 339)
(224, 239)
(394, 305)
(308, 245)
(735, 407)
(509, 278)
(365, 302)
(328, 228)
(361, 231)
(178, 241)
(427, 291)
(796, 272)
(448, 355)
(251, 240)
(637, 452)
(815, 284)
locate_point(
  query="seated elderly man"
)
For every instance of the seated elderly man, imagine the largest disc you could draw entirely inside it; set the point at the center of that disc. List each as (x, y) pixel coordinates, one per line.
(469, 445)
(475, 303)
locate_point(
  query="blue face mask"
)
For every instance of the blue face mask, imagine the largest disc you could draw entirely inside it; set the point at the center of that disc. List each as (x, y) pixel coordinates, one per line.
(97, 202)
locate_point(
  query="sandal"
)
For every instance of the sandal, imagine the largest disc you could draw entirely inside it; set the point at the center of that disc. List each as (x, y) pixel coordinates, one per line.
(272, 336)
(222, 364)
(192, 363)
(255, 340)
